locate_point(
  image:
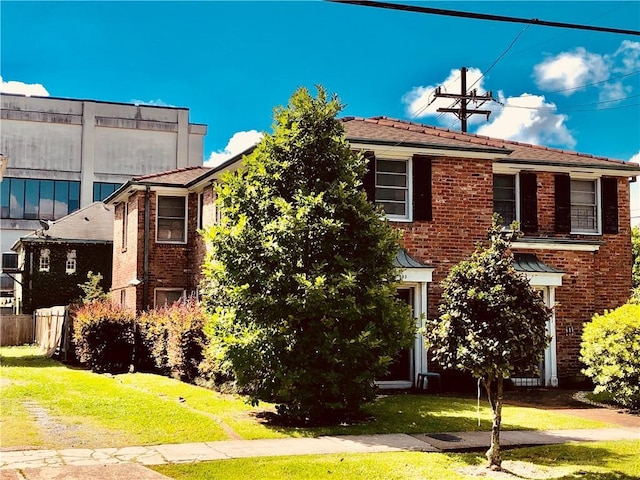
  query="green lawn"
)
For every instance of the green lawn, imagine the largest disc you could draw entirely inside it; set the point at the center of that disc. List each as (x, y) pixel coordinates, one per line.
(47, 404)
(585, 461)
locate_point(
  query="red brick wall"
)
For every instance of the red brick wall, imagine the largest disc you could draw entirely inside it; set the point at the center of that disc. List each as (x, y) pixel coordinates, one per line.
(127, 263)
(462, 208)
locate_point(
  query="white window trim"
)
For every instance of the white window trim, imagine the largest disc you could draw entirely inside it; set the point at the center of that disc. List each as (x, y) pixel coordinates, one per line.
(72, 259)
(186, 218)
(598, 204)
(183, 293)
(408, 218)
(45, 253)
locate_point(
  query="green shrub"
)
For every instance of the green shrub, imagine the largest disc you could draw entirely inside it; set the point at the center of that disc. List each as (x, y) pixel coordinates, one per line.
(610, 350)
(173, 338)
(103, 336)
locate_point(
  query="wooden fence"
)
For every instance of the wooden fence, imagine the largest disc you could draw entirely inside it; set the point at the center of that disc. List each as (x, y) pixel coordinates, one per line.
(16, 329)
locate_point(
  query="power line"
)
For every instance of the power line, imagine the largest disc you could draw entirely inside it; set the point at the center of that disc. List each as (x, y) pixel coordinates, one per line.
(483, 16)
(549, 109)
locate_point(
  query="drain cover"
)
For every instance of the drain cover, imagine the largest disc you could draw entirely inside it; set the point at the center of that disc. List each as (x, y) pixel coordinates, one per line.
(444, 437)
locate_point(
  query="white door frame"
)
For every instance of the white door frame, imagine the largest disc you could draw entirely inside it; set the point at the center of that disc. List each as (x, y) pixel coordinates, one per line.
(416, 279)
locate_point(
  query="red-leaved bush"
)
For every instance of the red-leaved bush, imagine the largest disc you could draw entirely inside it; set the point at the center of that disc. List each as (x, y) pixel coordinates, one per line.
(104, 337)
(173, 338)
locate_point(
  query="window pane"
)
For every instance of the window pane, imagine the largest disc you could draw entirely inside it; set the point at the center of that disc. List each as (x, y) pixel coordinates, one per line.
(97, 196)
(16, 207)
(46, 199)
(74, 196)
(171, 207)
(32, 199)
(504, 197)
(167, 297)
(390, 166)
(393, 208)
(171, 230)
(4, 195)
(390, 194)
(391, 180)
(61, 206)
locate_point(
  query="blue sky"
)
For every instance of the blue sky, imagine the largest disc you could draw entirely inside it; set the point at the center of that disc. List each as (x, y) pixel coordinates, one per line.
(230, 63)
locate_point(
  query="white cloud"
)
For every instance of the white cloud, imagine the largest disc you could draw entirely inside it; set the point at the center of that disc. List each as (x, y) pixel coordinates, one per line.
(420, 101)
(579, 70)
(635, 196)
(628, 54)
(153, 103)
(21, 88)
(570, 70)
(529, 119)
(238, 143)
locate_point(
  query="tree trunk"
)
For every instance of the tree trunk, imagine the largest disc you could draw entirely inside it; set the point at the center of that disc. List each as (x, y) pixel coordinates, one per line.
(495, 400)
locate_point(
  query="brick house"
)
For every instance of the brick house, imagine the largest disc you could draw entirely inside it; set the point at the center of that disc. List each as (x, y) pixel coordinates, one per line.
(52, 261)
(440, 187)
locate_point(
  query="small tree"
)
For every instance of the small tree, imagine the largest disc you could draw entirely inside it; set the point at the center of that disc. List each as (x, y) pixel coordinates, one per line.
(300, 279)
(492, 323)
(92, 289)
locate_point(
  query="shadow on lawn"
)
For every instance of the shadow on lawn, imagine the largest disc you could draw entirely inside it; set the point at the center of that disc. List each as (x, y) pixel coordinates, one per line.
(567, 454)
(28, 361)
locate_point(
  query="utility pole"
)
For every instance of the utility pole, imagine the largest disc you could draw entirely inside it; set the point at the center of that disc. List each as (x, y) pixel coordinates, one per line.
(463, 112)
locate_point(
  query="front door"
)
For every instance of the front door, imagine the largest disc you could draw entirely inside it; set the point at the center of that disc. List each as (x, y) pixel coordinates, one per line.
(401, 370)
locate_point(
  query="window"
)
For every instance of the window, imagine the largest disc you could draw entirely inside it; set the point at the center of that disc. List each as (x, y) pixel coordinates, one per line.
(38, 199)
(584, 206)
(392, 187)
(102, 190)
(70, 265)
(167, 296)
(45, 260)
(515, 197)
(172, 219)
(125, 224)
(402, 187)
(200, 210)
(504, 197)
(123, 298)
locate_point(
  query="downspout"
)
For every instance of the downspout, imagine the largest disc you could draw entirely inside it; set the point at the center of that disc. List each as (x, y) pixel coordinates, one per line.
(145, 278)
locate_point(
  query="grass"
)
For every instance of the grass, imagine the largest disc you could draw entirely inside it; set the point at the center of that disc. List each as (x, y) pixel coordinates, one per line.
(47, 404)
(587, 461)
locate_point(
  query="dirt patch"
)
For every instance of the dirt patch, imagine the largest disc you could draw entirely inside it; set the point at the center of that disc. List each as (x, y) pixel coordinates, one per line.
(53, 430)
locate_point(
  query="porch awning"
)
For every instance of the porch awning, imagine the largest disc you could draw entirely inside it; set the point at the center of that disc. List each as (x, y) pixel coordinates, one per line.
(538, 272)
(412, 269)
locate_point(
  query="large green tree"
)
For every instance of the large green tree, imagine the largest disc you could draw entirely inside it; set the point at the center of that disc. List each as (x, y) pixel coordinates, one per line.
(300, 278)
(492, 323)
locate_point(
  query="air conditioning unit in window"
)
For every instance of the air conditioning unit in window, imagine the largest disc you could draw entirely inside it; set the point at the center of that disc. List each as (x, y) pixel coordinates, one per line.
(10, 263)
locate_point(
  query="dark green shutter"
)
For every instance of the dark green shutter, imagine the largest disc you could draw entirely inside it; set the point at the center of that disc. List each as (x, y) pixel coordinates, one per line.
(563, 203)
(609, 205)
(421, 179)
(528, 202)
(369, 180)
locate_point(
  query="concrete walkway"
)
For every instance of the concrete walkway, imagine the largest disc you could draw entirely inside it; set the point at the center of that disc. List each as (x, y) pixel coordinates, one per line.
(112, 462)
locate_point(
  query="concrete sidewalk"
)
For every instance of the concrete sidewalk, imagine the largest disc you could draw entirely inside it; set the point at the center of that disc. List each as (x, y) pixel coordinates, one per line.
(128, 462)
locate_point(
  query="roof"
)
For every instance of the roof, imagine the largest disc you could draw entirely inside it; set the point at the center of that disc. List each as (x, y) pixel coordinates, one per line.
(93, 223)
(404, 260)
(176, 177)
(400, 132)
(529, 263)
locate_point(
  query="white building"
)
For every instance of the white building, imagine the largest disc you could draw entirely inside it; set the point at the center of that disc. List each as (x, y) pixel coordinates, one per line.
(64, 154)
